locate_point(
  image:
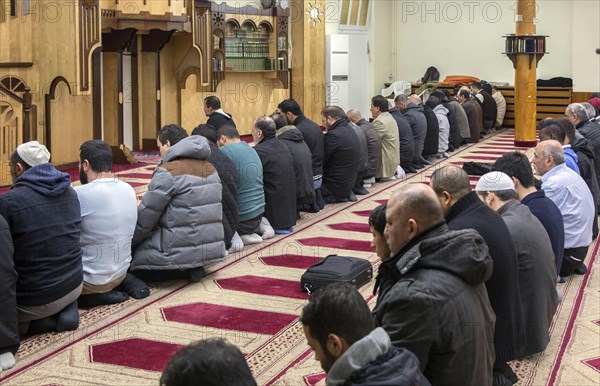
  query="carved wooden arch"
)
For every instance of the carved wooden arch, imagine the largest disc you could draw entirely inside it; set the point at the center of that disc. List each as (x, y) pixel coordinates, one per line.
(47, 107)
(13, 83)
(182, 80)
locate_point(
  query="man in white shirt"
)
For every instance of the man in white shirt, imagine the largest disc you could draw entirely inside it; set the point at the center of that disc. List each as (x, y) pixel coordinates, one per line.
(574, 200)
(108, 219)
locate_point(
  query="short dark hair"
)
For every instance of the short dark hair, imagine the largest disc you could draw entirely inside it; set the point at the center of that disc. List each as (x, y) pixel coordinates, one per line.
(477, 85)
(212, 102)
(207, 131)
(98, 153)
(334, 112)
(337, 309)
(229, 131)
(279, 119)
(172, 133)
(381, 103)
(464, 93)
(553, 131)
(452, 179)
(290, 106)
(515, 164)
(377, 218)
(433, 101)
(568, 127)
(210, 362)
(440, 94)
(503, 195)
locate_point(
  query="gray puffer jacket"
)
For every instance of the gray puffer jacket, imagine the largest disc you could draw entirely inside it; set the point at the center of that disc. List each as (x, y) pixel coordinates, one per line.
(179, 219)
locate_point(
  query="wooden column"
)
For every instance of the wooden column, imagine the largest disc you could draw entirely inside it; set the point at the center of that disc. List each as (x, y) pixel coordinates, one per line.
(525, 80)
(308, 57)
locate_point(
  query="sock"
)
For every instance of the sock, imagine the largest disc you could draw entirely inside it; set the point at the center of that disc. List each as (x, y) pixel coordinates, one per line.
(68, 318)
(7, 360)
(196, 274)
(111, 297)
(40, 326)
(134, 287)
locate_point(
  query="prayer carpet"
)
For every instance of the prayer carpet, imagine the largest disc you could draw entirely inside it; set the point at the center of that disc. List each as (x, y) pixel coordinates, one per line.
(253, 299)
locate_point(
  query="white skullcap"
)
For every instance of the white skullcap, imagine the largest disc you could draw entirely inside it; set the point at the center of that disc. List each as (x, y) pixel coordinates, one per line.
(33, 153)
(493, 182)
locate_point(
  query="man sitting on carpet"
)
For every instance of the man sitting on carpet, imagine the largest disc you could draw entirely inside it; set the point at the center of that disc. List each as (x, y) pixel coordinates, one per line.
(340, 160)
(574, 200)
(108, 218)
(226, 169)
(179, 225)
(43, 214)
(210, 362)
(279, 177)
(252, 227)
(339, 328)
(216, 116)
(463, 210)
(432, 287)
(537, 270)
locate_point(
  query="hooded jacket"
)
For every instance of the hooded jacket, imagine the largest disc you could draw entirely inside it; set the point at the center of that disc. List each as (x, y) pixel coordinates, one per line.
(418, 123)
(9, 327)
(279, 179)
(47, 254)
(591, 131)
(373, 147)
(294, 140)
(441, 113)
(373, 360)
(179, 222)
(432, 139)
(428, 292)
(462, 121)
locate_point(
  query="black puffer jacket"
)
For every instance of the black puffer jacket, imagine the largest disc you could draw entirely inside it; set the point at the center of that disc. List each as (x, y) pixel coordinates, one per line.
(293, 139)
(432, 139)
(418, 124)
(428, 293)
(313, 136)
(373, 147)
(591, 131)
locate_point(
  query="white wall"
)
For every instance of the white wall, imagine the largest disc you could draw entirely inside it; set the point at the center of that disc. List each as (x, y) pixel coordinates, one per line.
(465, 38)
(586, 39)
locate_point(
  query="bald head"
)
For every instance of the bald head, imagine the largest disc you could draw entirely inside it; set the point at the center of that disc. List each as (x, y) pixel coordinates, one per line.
(411, 210)
(414, 98)
(547, 155)
(354, 115)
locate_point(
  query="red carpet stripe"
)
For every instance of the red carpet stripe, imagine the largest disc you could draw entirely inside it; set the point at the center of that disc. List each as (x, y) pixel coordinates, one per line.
(479, 158)
(144, 176)
(362, 213)
(351, 226)
(291, 261)
(135, 353)
(263, 286)
(381, 201)
(229, 318)
(484, 152)
(337, 243)
(503, 147)
(137, 184)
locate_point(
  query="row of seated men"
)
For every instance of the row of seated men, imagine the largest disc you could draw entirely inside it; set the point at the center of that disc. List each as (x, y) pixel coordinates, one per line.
(466, 284)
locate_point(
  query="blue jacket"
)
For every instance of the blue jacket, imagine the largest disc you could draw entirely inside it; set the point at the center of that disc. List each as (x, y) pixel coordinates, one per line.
(571, 159)
(42, 211)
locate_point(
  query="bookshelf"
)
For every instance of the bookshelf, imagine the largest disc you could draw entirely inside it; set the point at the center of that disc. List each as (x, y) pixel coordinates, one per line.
(532, 45)
(249, 40)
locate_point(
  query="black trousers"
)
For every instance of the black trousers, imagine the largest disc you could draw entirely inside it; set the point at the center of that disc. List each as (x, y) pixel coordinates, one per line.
(572, 259)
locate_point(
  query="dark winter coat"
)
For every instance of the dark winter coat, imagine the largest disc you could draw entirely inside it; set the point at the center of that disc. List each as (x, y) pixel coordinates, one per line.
(218, 120)
(537, 273)
(418, 124)
(502, 288)
(586, 161)
(475, 117)
(363, 158)
(9, 326)
(340, 161)
(489, 108)
(279, 178)
(454, 138)
(226, 169)
(591, 131)
(313, 136)
(432, 139)
(44, 217)
(373, 147)
(462, 121)
(549, 215)
(407, 139)
(433, 285)
(293, 139)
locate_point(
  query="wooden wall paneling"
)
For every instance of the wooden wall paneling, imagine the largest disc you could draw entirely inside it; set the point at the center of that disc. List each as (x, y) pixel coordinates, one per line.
(308, 61)
(10, 134)
(579, 97)
(97, 93)
(110, 97)
(147, 100)
(191, 104)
